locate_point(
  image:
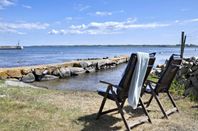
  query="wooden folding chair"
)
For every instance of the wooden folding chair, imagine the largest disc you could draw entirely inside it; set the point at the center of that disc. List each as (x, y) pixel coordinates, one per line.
(119, 93)
(164, 83)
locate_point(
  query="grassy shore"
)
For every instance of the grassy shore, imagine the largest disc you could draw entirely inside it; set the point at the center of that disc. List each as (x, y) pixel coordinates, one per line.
(42, 109)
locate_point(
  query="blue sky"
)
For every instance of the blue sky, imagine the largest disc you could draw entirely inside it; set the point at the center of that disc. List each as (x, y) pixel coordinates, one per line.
(89, 22)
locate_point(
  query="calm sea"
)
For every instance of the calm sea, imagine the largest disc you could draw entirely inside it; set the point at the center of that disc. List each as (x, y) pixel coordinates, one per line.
(90, 82)
(57, 54)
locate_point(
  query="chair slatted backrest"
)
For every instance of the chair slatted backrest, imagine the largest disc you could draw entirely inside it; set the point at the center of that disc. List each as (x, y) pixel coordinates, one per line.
(169, 73)
(126, 79)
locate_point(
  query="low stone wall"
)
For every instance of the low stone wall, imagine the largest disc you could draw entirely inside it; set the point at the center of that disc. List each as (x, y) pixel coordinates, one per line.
(61, 70)
(188, 75)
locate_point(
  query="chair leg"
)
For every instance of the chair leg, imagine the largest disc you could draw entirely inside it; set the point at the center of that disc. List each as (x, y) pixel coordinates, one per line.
(158, 101)
(173, 102)
(120, 110)
(101, 108)
(102, 104)
(122, 104)
(149, 102)
(160, 105)
(145, 111)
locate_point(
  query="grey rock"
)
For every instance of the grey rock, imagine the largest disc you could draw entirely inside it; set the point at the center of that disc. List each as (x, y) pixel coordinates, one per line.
(90, 69)
(45, 72)
(85, 64)
(76, 70)
(56, 72)
(194, 68)
(64, 72)
(48, 77)
(184, 70)
(28, 78)
(39, 71)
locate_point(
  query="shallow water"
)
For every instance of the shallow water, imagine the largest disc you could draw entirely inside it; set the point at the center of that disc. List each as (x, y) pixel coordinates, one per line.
(88, 81)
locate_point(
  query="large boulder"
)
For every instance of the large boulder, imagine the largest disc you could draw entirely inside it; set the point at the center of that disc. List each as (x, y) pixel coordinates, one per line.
(15, 73)
(101, 64)
(90, 69)
(85, 64)
(64, 72)
(26, 71)
(28, 78)
(39, 71)
(76, 70)
(3, 75)
(51, 70)
(48, 77)
(56, 72)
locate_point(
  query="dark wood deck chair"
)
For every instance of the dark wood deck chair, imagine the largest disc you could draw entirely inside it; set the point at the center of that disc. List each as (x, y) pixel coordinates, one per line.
(119, 93)
(164, 83)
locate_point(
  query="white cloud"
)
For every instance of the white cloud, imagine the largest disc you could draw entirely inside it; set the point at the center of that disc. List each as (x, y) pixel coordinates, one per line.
(68, 18)
(103, 13)
(191, 20)
(81, 7)
(109, 27)
(183, 22)
(6, 3)
(14, 27)
(27, 6)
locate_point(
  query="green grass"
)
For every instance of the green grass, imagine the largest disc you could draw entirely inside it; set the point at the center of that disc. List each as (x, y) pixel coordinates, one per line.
(23, 109)
(27, 109)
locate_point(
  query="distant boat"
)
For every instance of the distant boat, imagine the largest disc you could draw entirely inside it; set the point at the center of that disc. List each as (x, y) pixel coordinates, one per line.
(17, 47)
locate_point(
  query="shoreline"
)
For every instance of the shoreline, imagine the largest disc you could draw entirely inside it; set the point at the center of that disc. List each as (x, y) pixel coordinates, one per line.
(29, 74)
(126, 45)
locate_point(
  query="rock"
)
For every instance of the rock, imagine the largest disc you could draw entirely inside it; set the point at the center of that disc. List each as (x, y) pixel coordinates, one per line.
(11, 83)
(48, 77)
(3, 75)
(56, 72)
(26, 71)
(51, 70)
(76, 70)
(77, 65)
(194, 68)
(158, 71)
(39, 71)
(85, 64)
(64, 72)
(183, 70)
(122, 61)
(45, 72)
(160, 65)
(194, 80)
(28, 78)
(14, 73)
(100, 65)
(90, 69)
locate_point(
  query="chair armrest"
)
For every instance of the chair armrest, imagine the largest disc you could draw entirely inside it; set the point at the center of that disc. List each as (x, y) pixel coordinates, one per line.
(116, 86)
(104, 82)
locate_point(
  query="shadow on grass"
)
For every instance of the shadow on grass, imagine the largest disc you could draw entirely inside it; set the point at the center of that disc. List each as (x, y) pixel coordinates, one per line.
(196, 106)
(107, 121)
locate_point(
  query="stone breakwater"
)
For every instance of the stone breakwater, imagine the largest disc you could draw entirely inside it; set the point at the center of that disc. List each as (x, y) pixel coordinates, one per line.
(187, 75)
(62, 70)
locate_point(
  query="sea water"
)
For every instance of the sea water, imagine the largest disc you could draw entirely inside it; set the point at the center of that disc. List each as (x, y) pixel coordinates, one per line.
(57, 54)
